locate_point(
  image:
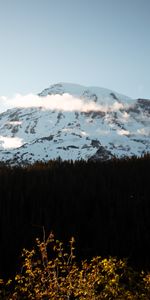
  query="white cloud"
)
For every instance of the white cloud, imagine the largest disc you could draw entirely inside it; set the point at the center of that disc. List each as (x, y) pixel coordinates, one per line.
(65, 102)
(116, 106)
(10, 142)
(123, 132)
(126, 115)
(15, 123)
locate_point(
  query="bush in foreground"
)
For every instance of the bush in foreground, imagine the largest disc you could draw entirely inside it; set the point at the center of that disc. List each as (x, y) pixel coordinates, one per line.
(50, 272)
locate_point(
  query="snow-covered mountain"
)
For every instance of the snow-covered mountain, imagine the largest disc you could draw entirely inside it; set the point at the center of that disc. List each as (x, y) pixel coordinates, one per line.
(77, 122)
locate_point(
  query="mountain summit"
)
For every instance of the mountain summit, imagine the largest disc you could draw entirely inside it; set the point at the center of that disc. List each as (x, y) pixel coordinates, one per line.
(75, 122)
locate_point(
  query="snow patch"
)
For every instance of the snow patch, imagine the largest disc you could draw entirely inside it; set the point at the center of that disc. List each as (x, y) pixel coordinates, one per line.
(83, 133)
(144, 131)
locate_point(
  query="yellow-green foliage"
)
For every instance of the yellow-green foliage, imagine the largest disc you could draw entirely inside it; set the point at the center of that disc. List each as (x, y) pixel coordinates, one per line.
(50, 272)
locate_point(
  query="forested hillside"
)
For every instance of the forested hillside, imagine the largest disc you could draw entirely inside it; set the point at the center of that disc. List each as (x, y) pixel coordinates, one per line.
(104, 205)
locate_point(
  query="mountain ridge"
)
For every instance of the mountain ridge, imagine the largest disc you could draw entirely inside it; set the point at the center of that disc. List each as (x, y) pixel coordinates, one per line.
(100, 124)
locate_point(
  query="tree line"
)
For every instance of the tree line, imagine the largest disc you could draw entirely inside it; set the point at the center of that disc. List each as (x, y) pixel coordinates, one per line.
(104, 205)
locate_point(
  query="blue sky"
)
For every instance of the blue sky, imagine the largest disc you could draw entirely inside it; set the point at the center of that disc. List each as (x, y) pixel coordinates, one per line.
(102, 43)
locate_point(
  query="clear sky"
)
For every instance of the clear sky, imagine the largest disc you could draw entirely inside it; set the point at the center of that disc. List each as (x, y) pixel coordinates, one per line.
(102, 43)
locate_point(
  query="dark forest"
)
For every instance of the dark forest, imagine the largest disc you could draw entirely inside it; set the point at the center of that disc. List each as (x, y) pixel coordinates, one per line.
(104, 205)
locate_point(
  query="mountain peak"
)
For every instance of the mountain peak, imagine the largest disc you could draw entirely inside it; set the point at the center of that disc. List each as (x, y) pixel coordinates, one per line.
(77, 90)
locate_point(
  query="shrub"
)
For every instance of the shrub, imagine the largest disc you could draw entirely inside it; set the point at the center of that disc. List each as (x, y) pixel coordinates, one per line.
(50, 272)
